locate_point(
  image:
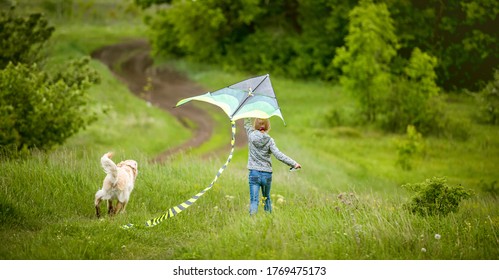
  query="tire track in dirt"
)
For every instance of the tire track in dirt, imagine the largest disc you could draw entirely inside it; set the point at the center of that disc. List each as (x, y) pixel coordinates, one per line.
(130, 62)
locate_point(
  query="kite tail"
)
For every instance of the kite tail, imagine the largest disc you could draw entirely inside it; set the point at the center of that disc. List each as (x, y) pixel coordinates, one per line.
(184, 205)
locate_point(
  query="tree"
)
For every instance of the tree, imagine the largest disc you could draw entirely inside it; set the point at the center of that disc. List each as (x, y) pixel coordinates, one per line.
(365, 59)
(203, 29)
(414, 98)
(298, 38)
(461, 34)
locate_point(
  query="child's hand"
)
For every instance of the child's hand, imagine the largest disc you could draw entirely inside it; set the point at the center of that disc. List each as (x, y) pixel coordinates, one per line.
(296, 167)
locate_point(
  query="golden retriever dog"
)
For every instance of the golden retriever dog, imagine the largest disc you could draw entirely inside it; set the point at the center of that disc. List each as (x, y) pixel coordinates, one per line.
(118, 184)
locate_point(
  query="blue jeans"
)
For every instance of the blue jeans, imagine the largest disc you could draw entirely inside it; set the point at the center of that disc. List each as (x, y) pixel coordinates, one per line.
(259, 180)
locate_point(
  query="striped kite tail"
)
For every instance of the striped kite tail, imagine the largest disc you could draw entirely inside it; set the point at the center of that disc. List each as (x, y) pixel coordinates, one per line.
(184, 205)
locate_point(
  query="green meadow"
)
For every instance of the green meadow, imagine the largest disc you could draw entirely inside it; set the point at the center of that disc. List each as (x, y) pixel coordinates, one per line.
(346, 203)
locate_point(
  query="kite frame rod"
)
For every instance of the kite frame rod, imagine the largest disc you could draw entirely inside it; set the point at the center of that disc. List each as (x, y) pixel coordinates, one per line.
(247, 97)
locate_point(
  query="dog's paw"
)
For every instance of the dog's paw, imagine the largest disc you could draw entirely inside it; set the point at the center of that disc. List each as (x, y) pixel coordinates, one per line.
(109, 154)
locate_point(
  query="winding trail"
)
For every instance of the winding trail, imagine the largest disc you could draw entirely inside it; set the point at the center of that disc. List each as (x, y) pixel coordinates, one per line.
(130, 62)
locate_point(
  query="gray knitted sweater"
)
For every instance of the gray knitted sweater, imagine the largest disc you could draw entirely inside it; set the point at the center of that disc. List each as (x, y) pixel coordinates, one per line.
(261, 146)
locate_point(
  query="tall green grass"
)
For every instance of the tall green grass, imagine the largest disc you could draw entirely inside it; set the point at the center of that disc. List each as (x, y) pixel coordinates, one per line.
(47, 213)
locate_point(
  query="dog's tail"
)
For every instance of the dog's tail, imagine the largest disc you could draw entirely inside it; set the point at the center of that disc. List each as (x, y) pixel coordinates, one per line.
(109, 166)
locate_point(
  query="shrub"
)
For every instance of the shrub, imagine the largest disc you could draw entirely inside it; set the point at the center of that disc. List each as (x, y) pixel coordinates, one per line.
(488, 100)
(334, 118)
(490, 188)
(435, 197)
(412, 144)
(22, 38)
(39, 111)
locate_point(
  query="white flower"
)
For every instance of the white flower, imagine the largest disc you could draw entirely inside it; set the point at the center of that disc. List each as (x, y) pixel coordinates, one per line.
(423, 250)
(437, 236)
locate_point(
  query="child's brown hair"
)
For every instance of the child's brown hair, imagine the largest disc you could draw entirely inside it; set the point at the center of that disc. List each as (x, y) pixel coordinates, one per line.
(262, 124)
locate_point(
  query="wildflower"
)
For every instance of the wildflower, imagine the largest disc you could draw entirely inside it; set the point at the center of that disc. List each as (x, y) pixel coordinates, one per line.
(229, 197)
(280, 200)
(423, 250)
(263, 200)
(437, 236)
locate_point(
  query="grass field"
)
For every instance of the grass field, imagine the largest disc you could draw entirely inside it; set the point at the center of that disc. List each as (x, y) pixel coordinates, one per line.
(346, 202)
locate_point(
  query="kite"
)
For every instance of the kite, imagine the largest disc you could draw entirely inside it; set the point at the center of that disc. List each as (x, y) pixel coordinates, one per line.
(251, 98)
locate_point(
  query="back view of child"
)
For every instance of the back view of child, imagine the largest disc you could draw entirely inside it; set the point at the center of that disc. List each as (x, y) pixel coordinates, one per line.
(261, 146)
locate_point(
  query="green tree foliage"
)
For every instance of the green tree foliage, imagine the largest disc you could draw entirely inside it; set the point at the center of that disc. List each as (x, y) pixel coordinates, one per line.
(149, 3)
(462, 35)
(435, 197)
(292, 38)
(202, 30)
(40, 111)
(22, 38)
(365, 59)
(415, 97)
(298, 38)
(488, 100)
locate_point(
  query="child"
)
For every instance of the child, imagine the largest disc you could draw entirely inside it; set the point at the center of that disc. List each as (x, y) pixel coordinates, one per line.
(261, 146)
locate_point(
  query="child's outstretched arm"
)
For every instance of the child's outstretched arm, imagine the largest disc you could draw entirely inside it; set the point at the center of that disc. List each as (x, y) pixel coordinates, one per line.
(282, 157)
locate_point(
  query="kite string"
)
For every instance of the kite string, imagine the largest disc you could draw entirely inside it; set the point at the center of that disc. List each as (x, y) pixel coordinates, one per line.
(182, 206)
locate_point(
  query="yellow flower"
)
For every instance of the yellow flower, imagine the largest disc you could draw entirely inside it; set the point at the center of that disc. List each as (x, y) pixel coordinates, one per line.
(262, 200)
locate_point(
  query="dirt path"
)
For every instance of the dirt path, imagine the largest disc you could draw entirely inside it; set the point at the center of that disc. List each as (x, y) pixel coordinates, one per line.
(131, 63)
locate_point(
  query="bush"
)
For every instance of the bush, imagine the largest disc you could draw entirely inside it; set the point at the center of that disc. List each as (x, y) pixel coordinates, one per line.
(22, 38)
(409, 147)
(415, 98)
(435, 197)
(39, 111)
(488, 100)
(490, 188)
